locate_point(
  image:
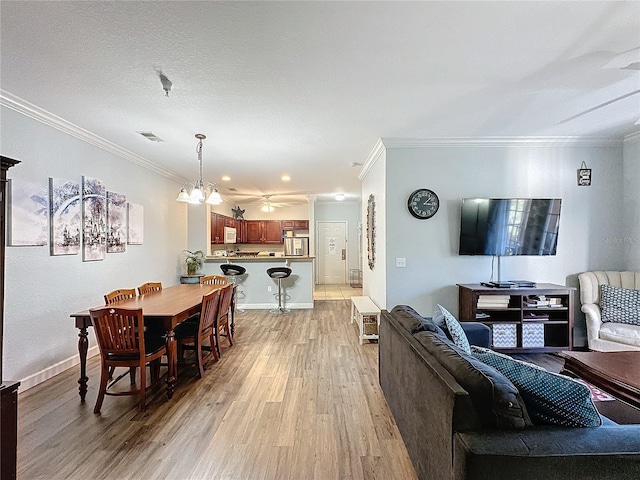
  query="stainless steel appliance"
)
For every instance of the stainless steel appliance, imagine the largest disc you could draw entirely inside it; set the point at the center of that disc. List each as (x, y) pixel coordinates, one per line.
(296, 246)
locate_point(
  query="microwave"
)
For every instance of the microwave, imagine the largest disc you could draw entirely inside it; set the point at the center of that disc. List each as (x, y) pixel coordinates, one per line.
(229, 235)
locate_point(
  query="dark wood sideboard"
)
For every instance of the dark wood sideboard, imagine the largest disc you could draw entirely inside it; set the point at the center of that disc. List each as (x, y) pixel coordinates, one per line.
(517, 326)
(8, 389)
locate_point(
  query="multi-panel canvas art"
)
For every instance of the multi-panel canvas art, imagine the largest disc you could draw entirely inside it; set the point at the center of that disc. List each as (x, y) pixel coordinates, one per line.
(95, 219)
(72, 217)
(136, 224)
(116, 222)
(65, 219)
(29, 207)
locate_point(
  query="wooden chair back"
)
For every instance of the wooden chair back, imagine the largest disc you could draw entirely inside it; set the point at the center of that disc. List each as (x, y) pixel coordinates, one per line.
(209, 314)
(213, 280)
(222, 327)
(117, 331)
(194, 339)
(226, 293)
(119, 295)
(149, 287)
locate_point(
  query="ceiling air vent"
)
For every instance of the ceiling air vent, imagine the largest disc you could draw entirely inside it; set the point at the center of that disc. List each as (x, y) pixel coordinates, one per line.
(151, 136)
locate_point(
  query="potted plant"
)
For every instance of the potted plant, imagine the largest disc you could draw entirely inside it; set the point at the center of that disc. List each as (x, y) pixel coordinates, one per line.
(194, 261)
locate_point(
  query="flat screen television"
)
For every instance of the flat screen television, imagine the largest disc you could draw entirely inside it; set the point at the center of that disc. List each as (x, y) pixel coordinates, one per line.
(509, 226)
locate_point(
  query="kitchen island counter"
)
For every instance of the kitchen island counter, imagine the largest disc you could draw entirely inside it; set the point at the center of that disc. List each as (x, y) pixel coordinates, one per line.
(257, 258)
(257, 290)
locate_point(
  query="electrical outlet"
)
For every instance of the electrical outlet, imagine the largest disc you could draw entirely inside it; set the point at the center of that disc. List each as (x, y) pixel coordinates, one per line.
(268, 288)
(401, 262)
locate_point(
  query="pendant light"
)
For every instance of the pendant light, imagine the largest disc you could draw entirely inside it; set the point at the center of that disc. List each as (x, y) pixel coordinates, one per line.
(200, 190)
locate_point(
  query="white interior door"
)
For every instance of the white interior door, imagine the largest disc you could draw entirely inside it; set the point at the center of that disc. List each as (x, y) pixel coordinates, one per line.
(332, 253)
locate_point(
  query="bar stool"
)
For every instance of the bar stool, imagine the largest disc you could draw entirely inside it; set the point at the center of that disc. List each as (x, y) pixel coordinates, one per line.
(232, 271)
(279, 273)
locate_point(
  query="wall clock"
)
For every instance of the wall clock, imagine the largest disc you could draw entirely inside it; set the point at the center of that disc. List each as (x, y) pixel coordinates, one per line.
(423, 203)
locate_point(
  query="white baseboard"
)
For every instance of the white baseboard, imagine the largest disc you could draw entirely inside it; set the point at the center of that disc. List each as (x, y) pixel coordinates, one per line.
(53, 370)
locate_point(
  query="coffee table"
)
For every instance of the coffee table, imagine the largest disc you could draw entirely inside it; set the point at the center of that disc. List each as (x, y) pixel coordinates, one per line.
(617, 373)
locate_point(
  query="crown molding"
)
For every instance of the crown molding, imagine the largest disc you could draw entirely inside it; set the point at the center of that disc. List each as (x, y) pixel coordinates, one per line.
(373, 156)
(532, 141)
(632, 138)
(30, 110)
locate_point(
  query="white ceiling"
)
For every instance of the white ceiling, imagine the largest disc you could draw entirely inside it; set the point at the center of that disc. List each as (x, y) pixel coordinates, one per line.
(305, 88)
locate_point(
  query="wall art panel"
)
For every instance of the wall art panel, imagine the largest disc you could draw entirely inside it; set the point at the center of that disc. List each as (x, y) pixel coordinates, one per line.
(116, 222)
(94, 217)
(136, 224)
(29, 207)
(65, 220)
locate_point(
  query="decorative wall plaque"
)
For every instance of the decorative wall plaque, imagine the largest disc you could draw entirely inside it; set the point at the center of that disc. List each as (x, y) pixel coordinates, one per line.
(371, 232)
(584, 176)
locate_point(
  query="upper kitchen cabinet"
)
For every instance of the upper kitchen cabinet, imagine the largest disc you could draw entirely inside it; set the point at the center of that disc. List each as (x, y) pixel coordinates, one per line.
(295, 224)
(218, 222)
(263, 231)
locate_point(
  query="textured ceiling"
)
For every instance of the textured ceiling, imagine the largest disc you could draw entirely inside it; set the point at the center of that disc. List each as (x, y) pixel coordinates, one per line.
(305, 88)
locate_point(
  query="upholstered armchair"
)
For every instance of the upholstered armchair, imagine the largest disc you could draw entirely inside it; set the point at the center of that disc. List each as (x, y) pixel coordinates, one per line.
(607, 336)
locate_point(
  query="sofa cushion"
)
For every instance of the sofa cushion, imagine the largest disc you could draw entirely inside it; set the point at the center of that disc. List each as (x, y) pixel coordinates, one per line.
(453, 327)
(477, 333)
(494, 398)
(620, 305)
(412, 321)
(621, 333)
(551, 398)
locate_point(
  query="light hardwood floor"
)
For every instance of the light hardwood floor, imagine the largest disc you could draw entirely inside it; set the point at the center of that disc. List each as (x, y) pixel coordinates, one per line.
(296, 397)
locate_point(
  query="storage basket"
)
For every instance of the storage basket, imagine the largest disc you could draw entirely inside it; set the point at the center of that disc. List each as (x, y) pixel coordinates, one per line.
(504, 335)
(369, 325)
(532, 335)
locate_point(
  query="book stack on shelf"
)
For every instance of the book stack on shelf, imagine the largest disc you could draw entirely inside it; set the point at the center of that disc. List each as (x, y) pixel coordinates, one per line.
(542, 301)
(555, 302)
(493, 301)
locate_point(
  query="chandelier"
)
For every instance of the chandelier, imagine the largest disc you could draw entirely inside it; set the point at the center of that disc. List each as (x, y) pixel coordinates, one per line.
(200, 190)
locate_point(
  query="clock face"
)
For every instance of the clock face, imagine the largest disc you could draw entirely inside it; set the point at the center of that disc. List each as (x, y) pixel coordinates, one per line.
(423, 203)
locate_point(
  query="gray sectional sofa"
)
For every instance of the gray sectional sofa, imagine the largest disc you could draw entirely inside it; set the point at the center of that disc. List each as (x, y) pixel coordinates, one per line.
(460, 419)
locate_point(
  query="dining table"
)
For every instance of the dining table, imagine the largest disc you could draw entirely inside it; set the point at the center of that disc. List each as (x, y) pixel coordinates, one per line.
(165, 309)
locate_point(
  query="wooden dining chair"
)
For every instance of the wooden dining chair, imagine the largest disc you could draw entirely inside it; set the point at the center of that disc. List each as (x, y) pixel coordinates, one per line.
(149, 287)
(110, 299)
(213, 280)
(121, 345)
(226, 294)
(192, 336)
(119, 295)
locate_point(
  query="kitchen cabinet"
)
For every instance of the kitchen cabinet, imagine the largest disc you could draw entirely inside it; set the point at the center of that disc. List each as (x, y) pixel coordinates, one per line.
(263, 231)
(217, 228)
(241, 231)
(295, 224)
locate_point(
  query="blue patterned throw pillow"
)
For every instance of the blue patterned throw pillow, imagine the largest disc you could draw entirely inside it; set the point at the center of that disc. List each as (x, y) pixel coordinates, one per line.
(455, 330)
(620, 305)
(550, 398)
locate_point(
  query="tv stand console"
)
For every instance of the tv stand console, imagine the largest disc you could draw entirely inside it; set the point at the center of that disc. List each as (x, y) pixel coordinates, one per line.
(517, 325)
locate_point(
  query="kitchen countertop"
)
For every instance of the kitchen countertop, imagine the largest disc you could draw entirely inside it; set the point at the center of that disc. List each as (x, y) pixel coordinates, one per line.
(262, 258)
